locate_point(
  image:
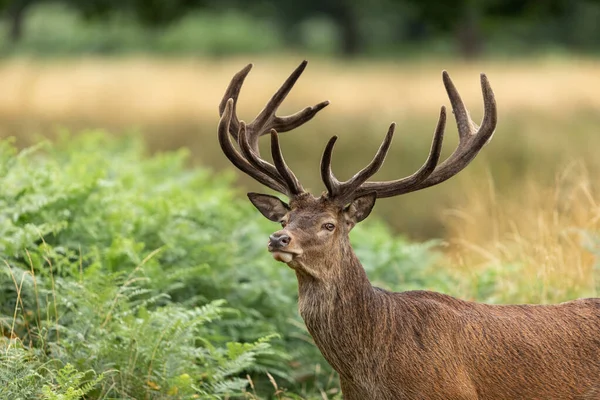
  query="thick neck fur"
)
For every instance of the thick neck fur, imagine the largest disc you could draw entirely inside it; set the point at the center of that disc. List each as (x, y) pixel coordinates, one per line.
(338, 309)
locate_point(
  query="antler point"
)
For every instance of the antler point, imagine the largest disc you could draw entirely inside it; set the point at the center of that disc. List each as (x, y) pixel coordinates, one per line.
(244, 72)
(302, 66)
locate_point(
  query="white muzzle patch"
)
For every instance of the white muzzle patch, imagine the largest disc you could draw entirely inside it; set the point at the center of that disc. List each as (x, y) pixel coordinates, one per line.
(282, 256)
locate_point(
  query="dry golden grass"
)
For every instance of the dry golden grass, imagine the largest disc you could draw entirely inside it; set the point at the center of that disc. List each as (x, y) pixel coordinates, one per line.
(538, 245)
(143, 90)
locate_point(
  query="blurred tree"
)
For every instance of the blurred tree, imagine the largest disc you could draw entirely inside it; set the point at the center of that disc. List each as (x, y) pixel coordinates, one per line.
(97, 9)
(355, 27)
(462, 18)
(150, 13)
(466, 19)
(345, 14)
(15, 12)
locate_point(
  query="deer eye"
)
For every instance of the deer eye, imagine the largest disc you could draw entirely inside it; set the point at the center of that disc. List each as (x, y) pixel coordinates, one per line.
(329, 226)
(283, 223)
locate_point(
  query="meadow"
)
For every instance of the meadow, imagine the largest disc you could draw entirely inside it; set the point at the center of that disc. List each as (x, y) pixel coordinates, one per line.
(134, 268)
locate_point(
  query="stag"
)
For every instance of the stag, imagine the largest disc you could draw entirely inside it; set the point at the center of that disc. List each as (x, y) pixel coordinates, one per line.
(414, 344)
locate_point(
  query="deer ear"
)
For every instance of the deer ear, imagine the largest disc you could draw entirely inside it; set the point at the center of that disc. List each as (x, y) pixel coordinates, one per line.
(269, 206)
(360, 208)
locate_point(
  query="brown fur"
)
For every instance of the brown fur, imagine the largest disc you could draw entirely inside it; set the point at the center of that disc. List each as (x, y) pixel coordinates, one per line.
(426, 345)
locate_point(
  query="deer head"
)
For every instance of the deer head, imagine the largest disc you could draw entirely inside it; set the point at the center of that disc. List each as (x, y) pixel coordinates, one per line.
(315, 228)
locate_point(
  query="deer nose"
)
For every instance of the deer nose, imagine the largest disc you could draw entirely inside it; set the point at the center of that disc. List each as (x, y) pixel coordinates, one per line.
(279, 240)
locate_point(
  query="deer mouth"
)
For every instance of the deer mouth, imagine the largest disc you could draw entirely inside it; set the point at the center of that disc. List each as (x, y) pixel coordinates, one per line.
(283, 256)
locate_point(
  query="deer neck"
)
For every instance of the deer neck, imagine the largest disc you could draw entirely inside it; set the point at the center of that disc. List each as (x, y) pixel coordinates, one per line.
(338, 311)
(341, 277)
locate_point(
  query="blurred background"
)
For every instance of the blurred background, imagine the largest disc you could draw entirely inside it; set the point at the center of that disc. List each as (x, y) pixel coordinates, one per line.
(159, 68)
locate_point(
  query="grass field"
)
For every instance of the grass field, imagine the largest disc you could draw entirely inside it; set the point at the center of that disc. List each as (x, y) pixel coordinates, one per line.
(540, 245)
(547, 115)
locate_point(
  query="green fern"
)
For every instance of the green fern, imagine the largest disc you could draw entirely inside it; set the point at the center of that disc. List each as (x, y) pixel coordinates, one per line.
(71, 384)
(20, 372)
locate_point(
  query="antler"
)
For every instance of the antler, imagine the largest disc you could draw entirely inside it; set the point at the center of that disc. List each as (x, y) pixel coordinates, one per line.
(471, 139)
(278, 177)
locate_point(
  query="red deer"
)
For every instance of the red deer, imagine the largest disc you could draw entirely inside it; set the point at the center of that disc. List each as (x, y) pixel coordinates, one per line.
(415, 344)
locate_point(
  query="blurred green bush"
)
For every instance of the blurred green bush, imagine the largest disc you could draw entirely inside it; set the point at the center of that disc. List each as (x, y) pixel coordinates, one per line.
(383, 28)
(55, 30)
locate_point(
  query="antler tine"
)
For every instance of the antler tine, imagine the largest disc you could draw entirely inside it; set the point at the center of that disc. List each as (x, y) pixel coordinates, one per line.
(361, 177)
(330, 181)
(287, 123)
(273, 104)
(257, 162)
(232, 92)
(405, 185)
(284, 171)
(267, 120)
(471, 139)
(463, 121)
(490, 112)
(343, 190)
(236, 159)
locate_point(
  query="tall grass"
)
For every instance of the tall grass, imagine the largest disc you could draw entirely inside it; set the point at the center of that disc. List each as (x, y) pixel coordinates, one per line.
(539, 245)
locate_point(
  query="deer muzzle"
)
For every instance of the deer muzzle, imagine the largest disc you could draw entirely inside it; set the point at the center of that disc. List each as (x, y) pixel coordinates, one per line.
(279, 246)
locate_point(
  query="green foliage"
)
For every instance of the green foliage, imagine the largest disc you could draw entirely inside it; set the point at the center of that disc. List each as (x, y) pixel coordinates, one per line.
(24, 377)
(20, 374)
(154, 279)
(55, 30)
(399, 28)
(69, 385)
(397, 264)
